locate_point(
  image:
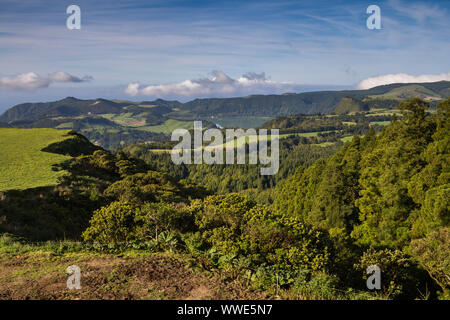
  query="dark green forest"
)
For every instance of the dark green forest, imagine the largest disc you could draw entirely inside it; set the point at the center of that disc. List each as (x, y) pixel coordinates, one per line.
(382, 199)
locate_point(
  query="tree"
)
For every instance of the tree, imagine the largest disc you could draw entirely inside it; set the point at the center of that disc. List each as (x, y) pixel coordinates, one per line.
(384, 203)
(431, 186)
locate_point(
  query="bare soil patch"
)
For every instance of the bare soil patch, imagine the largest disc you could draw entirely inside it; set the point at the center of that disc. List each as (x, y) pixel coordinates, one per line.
(155, 277)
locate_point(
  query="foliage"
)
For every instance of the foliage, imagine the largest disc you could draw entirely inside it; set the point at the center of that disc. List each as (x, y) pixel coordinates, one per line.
(154, 219)
(114, 223)
(381, 199)
(223, 178)
(398, 278)
(283, 241)
(232, 225)
(433, 253)
(123, 221)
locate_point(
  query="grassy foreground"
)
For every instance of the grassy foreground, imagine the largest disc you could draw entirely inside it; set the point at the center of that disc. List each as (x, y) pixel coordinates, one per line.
(23, 164)
(38, 271)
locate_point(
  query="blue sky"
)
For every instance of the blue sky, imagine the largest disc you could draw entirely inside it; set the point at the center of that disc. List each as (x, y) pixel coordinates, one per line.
(187, 49)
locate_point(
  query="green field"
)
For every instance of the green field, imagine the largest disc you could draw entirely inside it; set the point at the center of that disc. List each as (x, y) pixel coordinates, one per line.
(65, 125)
(240, 122)
(303, 134)
(238, 142)
(381, 123)
(325, 144)
(127, 119)
(383, 112)
(346, 139)
(22, 163)
(243, 140)
(169, 126)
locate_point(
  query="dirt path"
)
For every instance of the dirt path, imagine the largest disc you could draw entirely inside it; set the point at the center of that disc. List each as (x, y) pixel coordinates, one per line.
(108, 277)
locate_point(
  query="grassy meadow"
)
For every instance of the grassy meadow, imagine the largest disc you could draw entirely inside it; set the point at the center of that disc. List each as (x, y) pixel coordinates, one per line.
(22, 163)
(169, 126)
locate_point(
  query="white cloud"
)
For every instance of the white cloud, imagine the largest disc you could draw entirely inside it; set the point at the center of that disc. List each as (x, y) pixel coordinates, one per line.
(219, 84)
(31, 81)
(401, 78)
(132, 89)
(24, 81)
(62, 76)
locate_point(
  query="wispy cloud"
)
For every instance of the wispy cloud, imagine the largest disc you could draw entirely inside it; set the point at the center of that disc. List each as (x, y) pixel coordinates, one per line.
(401, 78)
(31, 81)
(162, 42)
(219, 84)
(421, 12)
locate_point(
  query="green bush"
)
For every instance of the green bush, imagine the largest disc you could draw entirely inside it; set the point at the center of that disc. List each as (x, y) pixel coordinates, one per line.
(233, 225)
(128, 222)
(113, 223)
(283, 241)
(153, 218)
(399, 277)
(433, 254)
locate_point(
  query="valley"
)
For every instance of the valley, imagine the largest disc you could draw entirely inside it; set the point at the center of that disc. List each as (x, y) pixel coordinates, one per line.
(114, 123)
(365, 183)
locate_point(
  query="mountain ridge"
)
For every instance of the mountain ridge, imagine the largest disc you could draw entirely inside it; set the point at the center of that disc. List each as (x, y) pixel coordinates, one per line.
(111, 123)
(260, 105)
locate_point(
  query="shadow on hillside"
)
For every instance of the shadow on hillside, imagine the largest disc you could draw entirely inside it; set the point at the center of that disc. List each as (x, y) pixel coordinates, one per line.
(57, 212)
(74, 147)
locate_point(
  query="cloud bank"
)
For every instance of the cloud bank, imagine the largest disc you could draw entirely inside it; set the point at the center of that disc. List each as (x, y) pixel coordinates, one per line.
(31, 81)
(401, 78)
(219, 84)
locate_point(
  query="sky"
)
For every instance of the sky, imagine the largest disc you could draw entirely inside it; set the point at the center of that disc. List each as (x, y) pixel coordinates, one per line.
(143, 50)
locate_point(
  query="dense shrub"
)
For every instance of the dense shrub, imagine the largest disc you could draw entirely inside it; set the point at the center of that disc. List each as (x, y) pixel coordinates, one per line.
(152, 219)
(233, 225)
(125, 221)
(113, 223)
(283, 241)
(433, 253)
(399, 277)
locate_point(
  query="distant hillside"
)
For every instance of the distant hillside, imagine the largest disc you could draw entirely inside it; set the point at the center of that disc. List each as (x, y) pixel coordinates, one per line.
(413, 91)
(107, 123)
(265, 105)
(63, 108)
(28, 156)
(114, 123)
(348, 104)
(163, 103)
(72, 107)
(306, 103)
(157, 111)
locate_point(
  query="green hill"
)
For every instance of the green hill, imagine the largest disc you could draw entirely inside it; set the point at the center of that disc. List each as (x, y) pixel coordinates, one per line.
(411, 91)
(296, 103)
(28, 156)
(112, 123)
(63, 108)
(150, 113)
(348, 104)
